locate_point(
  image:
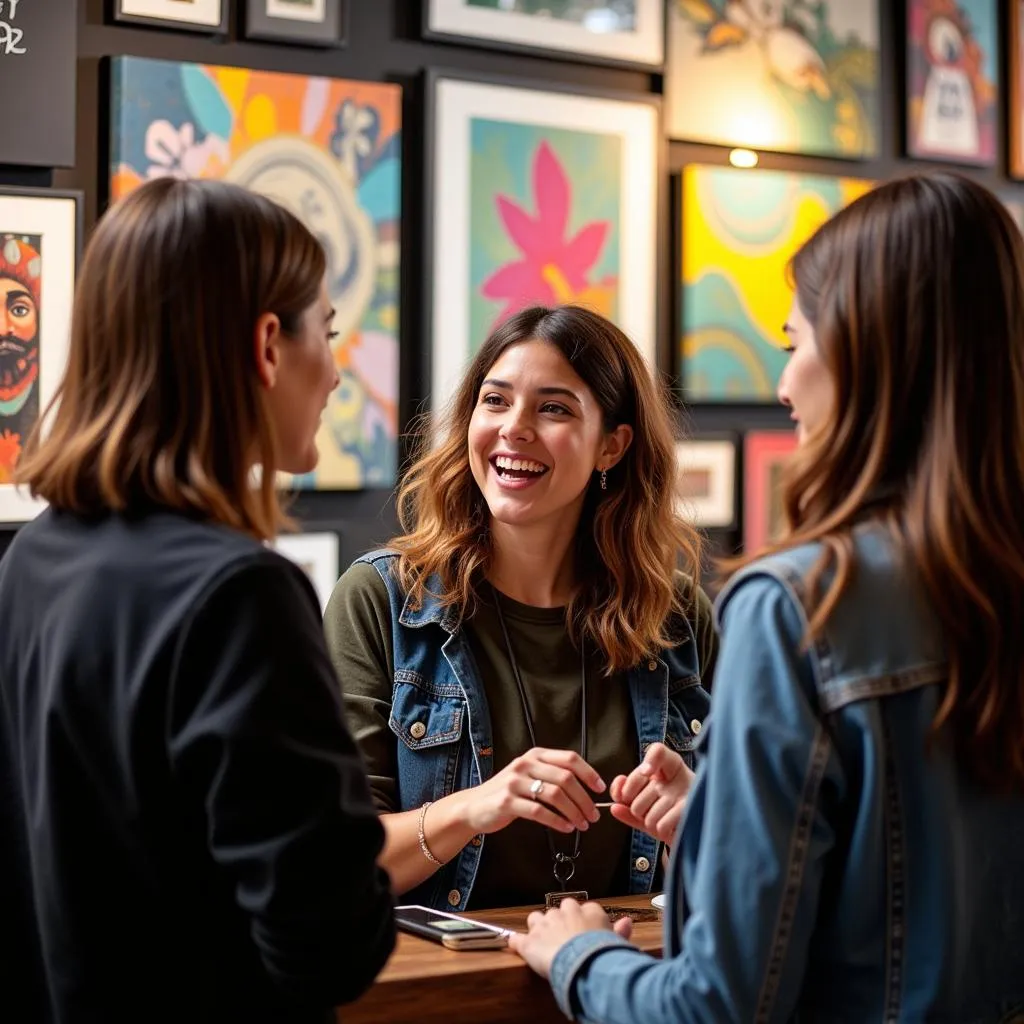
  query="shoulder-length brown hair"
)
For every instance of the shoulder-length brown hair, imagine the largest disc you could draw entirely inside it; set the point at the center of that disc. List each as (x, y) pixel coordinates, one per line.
(916, 295)
(630, 539)
(161, 403)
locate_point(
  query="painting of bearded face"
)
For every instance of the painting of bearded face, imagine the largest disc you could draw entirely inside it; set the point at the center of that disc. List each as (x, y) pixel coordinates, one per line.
(20, 287)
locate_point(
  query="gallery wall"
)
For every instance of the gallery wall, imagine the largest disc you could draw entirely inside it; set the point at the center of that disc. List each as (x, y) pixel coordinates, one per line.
(386, 45)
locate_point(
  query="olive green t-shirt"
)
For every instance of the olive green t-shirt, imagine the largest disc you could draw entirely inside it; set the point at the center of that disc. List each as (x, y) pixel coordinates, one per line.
(516, 863)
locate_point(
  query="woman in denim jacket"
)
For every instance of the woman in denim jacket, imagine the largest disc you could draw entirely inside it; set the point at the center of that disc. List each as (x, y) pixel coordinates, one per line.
(851, 847)
(533, 600)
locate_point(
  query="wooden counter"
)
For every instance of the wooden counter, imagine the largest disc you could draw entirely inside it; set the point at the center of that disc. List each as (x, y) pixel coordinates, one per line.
(424, 982)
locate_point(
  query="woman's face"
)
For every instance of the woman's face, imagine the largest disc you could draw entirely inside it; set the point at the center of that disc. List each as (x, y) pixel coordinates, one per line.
(806, 384)
(300, 383)
(537, 435)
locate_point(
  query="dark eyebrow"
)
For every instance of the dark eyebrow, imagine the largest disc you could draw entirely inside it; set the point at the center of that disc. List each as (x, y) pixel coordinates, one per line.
(495, 383)
(11, 295)
(330, 316)
(787, 328)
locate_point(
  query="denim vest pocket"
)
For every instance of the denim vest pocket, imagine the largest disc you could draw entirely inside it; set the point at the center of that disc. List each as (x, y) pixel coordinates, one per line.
(424, 716)
(688, 705)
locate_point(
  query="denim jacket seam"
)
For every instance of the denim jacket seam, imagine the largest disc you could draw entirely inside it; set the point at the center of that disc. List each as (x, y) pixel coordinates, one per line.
(821, 749)
(571, 959)
(888, 684)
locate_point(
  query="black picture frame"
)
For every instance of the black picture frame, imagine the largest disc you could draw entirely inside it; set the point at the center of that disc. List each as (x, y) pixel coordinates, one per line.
(175, 24)
(552, 52)
(260, 26)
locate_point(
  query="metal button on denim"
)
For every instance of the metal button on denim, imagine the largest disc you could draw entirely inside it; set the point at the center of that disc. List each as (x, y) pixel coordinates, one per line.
(417, 730)
(695, 726)
(454, 898)
(642, 864)
(651, 666)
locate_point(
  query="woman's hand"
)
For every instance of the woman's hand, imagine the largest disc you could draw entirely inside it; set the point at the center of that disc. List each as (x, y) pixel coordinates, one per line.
(561, 802)
(652, 796)
(549, 930)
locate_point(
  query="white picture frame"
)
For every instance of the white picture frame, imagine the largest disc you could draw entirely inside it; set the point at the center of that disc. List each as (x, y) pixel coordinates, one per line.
(706, 482)
(643, 46)
(631, 189)
(317, 555)
(54, 217)
(190, 15)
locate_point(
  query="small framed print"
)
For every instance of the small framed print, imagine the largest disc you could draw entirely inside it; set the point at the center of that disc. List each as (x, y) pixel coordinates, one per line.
(308, 22)
(624, 32)
(188, 15)
(317, 555)
(764, 457)
(706, 484)
(953, 78)
(40, 232)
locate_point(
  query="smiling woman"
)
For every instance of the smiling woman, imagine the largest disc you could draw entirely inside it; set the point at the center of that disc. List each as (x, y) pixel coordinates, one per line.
(520, 644)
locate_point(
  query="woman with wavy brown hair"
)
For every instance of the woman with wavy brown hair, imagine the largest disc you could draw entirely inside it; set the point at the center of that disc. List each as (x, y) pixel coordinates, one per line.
(529, 635)
(851, 846)
(187, 830)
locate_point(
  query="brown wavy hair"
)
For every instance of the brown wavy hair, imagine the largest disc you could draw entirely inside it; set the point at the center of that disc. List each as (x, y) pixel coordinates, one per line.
(161, 403)
(630, 539)
(916, 295)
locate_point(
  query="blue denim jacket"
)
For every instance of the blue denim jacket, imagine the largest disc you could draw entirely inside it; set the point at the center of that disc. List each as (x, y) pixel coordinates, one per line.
(437, 689)
(828, 868)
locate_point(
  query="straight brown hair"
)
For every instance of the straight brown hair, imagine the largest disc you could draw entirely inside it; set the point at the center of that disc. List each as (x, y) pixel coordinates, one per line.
(916, 295)
(161, 403)
(630, 538)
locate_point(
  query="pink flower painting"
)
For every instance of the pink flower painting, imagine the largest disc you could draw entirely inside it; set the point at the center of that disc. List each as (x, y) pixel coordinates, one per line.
(556, 263)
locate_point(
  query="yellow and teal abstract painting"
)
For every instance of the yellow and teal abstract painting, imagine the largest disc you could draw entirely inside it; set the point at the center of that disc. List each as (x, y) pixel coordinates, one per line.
(740, 228)
(328, 149)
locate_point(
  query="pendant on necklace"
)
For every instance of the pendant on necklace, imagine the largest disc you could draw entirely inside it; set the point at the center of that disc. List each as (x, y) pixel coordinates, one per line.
(553, 899)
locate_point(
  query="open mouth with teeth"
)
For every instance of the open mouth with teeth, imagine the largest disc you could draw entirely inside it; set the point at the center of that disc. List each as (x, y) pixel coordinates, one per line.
(509, 468)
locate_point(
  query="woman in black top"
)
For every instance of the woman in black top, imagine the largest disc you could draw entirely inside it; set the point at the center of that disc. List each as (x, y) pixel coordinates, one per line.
(187, 830)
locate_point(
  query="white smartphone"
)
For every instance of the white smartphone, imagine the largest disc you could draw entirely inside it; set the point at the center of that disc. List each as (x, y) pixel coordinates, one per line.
(451, 930)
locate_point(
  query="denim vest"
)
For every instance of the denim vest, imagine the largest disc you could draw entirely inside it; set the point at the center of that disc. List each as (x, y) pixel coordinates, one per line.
(439, 715)
(831, 867)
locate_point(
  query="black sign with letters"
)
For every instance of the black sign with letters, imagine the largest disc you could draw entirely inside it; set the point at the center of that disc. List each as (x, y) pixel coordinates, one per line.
(37, 81)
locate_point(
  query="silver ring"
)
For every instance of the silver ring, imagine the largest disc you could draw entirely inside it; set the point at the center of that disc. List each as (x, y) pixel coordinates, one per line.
(535, 787)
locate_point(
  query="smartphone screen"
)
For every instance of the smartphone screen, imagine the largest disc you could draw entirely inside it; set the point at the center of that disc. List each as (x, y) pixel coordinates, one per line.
(448, 929)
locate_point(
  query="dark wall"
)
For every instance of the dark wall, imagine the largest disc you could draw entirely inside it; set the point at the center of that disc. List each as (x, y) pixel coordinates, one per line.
(385, 45)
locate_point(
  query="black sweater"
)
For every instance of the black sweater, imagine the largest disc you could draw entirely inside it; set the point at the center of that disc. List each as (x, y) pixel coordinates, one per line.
(186, 832)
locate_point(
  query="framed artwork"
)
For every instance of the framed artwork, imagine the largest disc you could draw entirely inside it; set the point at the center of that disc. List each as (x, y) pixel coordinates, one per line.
(764, 458)
(317, 555)
(781, 75)
(312, 22)
(706, 485)
(40, 232)
(740, 228)
(536, 196)
(329, 150)
(1015, 104)
(630, 32)
(38, 66)
(189, 15)
(952, 80)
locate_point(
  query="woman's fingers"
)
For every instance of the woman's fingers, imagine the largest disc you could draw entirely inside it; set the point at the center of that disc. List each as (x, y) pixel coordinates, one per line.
(559, 789)
(572, 762)
(535, 810)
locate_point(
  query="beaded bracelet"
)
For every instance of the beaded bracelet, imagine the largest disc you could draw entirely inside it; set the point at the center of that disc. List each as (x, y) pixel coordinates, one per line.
(423, 838)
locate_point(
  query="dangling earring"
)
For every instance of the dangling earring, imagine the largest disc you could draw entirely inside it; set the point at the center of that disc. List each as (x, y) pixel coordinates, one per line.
(604, 479)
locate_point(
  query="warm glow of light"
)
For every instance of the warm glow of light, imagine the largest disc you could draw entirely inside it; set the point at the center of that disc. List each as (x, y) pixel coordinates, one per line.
(743, 158)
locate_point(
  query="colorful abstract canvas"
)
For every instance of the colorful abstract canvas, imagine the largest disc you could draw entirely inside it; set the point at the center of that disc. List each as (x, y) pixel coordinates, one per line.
(740, 228)
(952, 80)
(792, 76)
(330, 151)
(538, 198)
